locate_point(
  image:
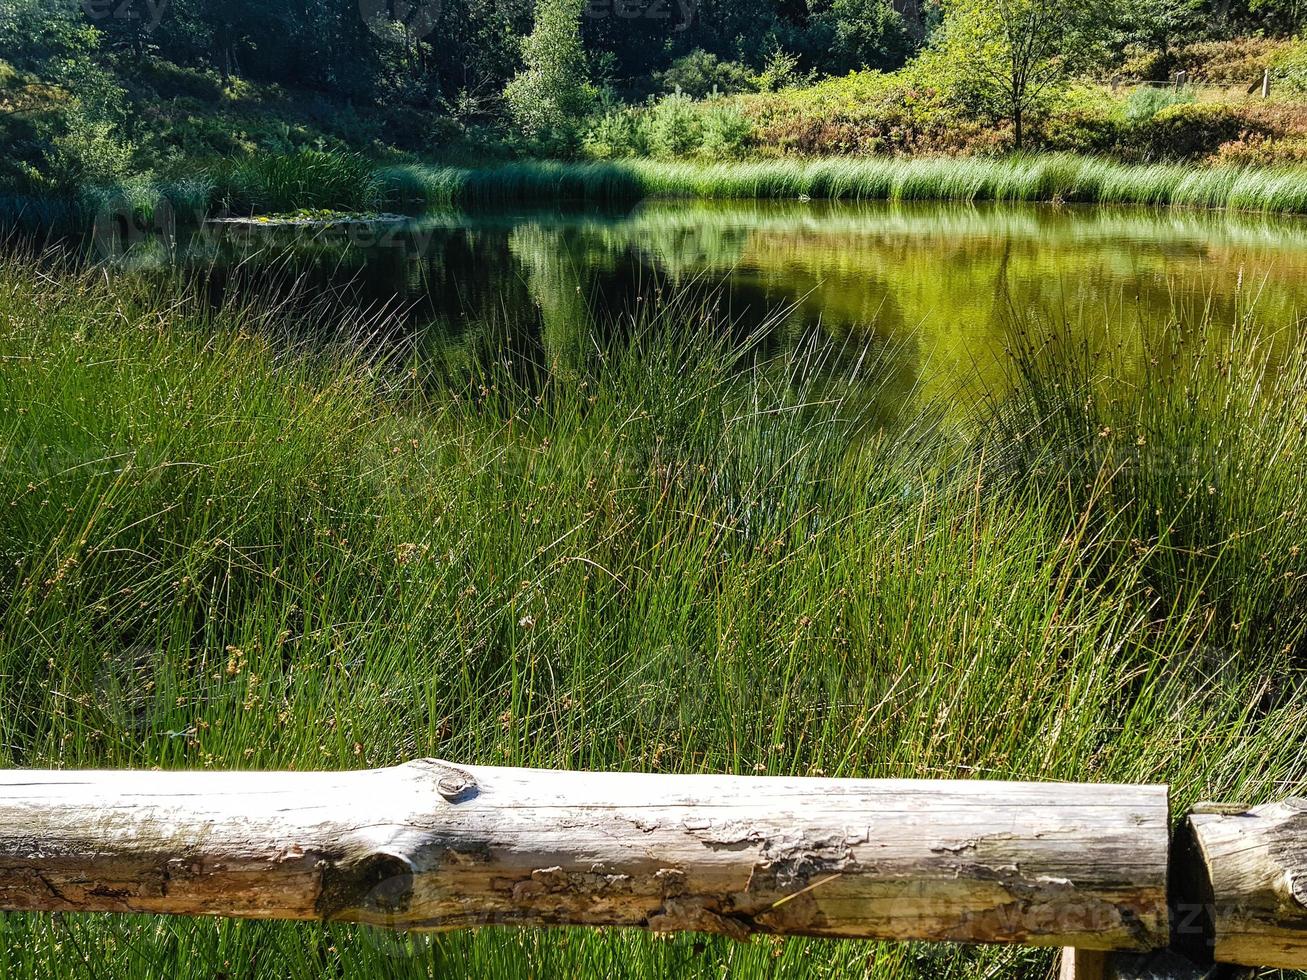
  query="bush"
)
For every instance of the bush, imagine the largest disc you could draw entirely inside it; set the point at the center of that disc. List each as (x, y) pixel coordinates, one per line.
(616, 133)
(863, 113)
(90, 152)
(1262, 151)
(675, 127)
(1087, 121)
(1189, 131)
(781, 71)
(1147, 101)
(727, 132)
(1289, 68)
(1233, 62)
(170, 80)
(1147, 63)
(700, 74)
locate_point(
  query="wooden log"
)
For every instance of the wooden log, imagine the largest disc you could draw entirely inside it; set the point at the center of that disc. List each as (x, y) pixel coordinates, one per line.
(431, 845)
(1253, 884)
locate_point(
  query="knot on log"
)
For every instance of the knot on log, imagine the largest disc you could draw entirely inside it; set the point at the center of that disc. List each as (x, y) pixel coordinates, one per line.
(1295, 886)
(377, 886)
(455, 785)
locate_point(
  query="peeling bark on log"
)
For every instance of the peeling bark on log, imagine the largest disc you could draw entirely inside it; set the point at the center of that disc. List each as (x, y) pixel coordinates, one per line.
(431, 845)
(1253, 890)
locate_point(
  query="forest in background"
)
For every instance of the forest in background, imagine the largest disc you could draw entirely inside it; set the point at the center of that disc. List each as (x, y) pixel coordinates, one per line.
(95, 92)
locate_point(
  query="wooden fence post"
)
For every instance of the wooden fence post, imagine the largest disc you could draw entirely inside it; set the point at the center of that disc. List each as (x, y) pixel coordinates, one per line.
(1082, 964)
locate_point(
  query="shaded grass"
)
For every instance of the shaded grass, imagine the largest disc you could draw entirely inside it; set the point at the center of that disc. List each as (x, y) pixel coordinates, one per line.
(226, 547)
(286, 182)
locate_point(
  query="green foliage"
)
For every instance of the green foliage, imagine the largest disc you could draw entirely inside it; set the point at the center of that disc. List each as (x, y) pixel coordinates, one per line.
(227, 549)
(617, 132)
(1188, 130)
(701, 73)
(727, 132)
(675, 127)
(89, 152)
(1011, 57)
(1290, 67)
(46, 35)
(780, 70)
(304, 179)
(550, 97)
(1151, 30)
(858, 34)
(1147, 101)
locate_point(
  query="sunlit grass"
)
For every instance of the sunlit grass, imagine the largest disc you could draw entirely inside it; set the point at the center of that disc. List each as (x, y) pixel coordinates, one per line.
(224, 545)
(345, 181)
(1050, 178)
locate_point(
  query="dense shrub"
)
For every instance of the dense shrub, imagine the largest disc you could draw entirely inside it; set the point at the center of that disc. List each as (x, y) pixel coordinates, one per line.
(675, 127)
(1189, 131)
(1233, 62)
(1148, 63)
(1289, 66)
(904, 114)
(1147, 101)
(1262, 151)
(1225, 62)
(618, 132)
(700, 74)
(168, 79)
(1086, 123)
(866, 113)
(727, 132)
(89, 151)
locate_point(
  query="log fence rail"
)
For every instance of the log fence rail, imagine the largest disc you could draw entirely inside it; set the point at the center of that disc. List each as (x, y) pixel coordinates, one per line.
(432, 845)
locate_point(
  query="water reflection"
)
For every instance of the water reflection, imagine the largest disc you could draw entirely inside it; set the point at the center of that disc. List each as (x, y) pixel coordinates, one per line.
(942, 288)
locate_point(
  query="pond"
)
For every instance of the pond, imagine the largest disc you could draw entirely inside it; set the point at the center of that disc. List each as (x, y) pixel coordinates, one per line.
(940, 289)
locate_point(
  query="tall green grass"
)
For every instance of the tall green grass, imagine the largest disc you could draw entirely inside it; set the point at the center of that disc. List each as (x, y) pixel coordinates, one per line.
(304, 179)
(223, 546)
(1051, 178)
(345, 181)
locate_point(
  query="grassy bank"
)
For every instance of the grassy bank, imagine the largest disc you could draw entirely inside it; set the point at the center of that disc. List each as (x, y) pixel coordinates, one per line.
(228, 546)
(315, 179)
(1049, 178)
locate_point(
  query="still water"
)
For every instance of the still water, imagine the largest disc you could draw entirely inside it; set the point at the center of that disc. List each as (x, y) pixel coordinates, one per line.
(943, 286)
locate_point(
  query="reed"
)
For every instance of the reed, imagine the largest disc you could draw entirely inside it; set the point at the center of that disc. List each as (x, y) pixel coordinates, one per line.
(227, 545)
(322, 179)
(1051, 178)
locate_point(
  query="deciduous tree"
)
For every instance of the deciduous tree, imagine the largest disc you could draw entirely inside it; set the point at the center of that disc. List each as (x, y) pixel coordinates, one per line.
(1008, 56)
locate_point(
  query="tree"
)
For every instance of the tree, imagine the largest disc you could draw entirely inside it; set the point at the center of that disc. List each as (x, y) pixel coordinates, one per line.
(859, 34)
(1008, 57)
(551, 96)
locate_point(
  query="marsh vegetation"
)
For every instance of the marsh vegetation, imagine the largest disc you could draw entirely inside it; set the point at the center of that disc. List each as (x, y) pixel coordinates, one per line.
(272, 532)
